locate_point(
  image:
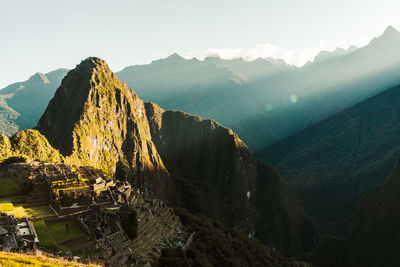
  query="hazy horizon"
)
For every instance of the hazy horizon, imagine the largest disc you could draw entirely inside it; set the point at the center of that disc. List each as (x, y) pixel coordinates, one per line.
(41, 36)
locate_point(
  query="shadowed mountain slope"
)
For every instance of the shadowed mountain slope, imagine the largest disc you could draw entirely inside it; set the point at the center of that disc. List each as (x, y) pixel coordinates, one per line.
(94, 119)
(264, 101)
(375, 233)
(375, 238)
(333, 163)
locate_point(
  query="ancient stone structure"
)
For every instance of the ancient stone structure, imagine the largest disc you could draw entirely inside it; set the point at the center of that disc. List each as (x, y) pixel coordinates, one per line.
(106, 230)
(17, 234)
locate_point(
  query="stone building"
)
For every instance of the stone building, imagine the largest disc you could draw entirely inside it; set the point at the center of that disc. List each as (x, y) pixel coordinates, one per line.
(17, 234)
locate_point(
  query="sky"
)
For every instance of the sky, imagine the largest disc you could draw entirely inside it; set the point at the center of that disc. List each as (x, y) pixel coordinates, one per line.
(43, 35)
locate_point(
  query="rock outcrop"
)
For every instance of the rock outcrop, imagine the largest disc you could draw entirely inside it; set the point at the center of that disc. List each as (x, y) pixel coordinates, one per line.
(94, 119)
(214, 172)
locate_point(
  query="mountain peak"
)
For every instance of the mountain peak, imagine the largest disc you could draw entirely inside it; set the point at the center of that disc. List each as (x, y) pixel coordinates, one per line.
(39, 77)
(389, 37)
(91, 63)
(389, 34)
(175, 56)
(390, 30)
(327, 55)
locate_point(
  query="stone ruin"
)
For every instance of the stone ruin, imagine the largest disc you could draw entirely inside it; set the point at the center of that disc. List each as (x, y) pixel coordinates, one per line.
(106, 230)
(17, 234)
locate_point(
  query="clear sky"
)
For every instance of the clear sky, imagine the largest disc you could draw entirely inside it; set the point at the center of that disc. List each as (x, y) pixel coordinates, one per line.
(42, 35)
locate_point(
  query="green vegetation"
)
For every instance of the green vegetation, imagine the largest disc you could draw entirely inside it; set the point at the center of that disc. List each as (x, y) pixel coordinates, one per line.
(46, 239)
(8, 186)
(21, 260)
(5, 146)
(51, 234)
(33, 144)
(81, 245)
(39, 211)
(24, 210)
(216, 245)
(65, 230)
(10, 209)
(15, 159)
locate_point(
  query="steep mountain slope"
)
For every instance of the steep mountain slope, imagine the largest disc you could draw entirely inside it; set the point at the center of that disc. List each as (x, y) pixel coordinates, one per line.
(22, 104)
(210, 164)
(271, 100)
(375, 235)
(193, 86)
(94, 119)
(333, 163)
(229, 247)
(375, 238)
(213, 88)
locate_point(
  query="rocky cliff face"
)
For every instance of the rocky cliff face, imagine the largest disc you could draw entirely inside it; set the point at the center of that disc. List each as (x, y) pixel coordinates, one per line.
(282, 218)
(214, 172)
(94, 119)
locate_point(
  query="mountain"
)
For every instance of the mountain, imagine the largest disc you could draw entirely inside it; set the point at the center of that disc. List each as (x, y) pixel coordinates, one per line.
(213, 88)
(28, 144)
(375, 235)
(22, 103)
(326, 55)
(95, 119)
(332, 164)
(264, 101)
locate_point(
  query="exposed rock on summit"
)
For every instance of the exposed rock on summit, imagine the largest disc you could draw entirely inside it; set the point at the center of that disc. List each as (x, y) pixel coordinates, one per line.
(94, 119)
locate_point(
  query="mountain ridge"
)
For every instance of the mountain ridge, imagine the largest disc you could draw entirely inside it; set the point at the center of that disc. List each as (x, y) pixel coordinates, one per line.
(192, 162)
(362, 140)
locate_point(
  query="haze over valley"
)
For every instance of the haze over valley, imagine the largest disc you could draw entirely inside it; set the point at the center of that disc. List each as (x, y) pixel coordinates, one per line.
(209, 134)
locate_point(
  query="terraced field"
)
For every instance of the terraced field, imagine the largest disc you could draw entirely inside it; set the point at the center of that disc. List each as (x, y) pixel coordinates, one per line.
(157, 222)
(67, 235)
(8, 187)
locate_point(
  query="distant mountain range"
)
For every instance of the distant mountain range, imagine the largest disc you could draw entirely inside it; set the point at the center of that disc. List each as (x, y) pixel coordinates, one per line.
(22, 103)
(264, 107)
(264, 100)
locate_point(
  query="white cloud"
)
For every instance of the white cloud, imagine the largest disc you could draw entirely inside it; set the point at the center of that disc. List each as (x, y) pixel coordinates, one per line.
(266, 50)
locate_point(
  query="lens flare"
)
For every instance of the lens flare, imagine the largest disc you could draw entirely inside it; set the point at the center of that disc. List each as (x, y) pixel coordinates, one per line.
(268, 107)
